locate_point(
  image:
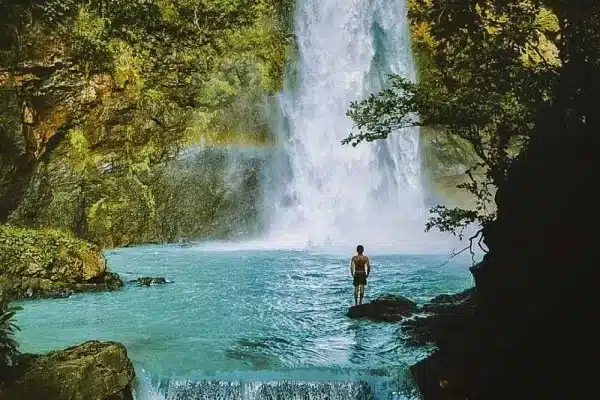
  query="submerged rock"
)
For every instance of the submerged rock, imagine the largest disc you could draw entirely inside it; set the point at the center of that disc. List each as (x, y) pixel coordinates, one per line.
(385, 308)
(90, 371)
(50, 263)
(147, 281)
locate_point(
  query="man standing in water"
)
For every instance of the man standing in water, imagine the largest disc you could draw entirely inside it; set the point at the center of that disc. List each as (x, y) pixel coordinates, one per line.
(360, 268)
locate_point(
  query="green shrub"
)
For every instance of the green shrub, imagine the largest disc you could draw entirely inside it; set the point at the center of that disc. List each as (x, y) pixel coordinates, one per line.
(9, 348)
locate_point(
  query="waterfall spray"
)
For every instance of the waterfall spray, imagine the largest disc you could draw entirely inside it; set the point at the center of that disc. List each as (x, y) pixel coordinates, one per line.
(339, 195)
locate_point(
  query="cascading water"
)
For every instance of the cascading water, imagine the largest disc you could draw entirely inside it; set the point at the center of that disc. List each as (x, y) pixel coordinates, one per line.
(256, 390)
(339, 195)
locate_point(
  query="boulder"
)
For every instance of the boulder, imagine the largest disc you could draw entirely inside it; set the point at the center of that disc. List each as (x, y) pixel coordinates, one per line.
(90, 371)
(147, 281)
(387, 308)
(50, 263)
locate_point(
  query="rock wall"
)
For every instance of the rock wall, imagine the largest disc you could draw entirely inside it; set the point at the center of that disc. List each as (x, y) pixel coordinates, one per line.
(93, 118)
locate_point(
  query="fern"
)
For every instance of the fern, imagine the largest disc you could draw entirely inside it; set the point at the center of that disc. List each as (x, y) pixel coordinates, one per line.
(9, 348)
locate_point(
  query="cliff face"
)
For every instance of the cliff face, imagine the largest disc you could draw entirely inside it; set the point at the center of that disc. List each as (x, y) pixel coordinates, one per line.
(534, 285)
(531, 332)
(97, 106)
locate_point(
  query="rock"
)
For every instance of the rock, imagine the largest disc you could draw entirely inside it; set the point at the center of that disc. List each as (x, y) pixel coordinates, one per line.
(385, 308)
(147, 281)
(90, 371)
(450, 316)
(454, 298)
(438, 377)
(50, 263)
(445, 301)
(444, 374)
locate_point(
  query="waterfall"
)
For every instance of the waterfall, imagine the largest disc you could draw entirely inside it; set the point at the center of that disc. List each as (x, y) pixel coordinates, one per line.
(239, 390)
(335, 195)
(173, 389)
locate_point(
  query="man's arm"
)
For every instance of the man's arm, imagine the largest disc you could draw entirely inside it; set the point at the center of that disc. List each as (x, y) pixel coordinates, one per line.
(352, 267)
(368, 266)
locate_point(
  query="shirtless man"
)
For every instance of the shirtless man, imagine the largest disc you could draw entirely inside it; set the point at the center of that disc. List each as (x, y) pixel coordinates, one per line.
(360, 267)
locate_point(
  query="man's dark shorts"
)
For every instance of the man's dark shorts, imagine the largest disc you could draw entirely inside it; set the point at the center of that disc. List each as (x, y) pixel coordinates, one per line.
(360, 278)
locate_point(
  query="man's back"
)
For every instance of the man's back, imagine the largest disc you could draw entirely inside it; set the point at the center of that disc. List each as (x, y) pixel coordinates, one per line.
(360, 261)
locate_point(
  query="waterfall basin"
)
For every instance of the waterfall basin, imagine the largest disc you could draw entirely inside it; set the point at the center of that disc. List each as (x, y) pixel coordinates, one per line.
(248, 324)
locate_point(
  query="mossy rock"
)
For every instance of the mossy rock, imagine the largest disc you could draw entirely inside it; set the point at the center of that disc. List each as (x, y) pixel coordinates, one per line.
(50, 263)
(90, 371)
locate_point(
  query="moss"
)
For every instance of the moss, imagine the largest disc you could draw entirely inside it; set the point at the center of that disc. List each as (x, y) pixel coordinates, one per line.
(106, 120)
(88, 35)
(15, 164)
(92, 370)
(53, 122)
(126, 213)
(78, 143)
(127, 72)
(18, 246)
(250, 69)
(46, 262)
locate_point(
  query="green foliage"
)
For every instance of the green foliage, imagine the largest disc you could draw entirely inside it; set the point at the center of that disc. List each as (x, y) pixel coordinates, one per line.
(179, 42)
(20, 247)
(480, 90)
(455, 220)
(117, 88)
(89, 40)
(9, 348)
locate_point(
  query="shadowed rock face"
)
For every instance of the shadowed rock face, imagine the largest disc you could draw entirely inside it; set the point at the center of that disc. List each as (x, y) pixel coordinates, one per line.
(447, 318)
(529, 333)
(50, 263)
(386, 308)
(90, 371)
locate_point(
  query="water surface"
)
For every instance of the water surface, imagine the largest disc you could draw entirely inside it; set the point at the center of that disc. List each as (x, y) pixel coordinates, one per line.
(245, 316)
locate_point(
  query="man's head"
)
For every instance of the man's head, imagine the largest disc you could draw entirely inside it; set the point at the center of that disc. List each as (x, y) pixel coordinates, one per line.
(360, 249)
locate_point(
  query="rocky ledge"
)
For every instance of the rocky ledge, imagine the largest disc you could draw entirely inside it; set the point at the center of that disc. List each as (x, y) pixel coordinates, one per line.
(50, 263)
(90, 371)
(447, 316)
(448, 324)
(388, 308)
